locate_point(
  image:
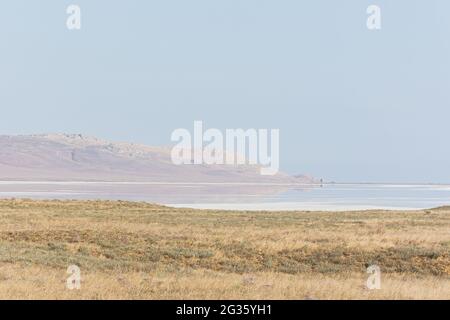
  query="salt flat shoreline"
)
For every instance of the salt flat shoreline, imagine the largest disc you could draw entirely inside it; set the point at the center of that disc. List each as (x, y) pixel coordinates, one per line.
(240, 196)
(277, 207)
(247, 207)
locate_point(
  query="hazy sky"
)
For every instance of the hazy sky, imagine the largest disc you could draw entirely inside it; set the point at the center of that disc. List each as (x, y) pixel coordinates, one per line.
(351, 104)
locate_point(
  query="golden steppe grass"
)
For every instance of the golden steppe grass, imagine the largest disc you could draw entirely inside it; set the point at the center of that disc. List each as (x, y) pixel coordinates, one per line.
(129, 250)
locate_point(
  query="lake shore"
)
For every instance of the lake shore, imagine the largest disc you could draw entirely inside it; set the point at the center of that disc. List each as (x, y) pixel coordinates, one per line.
(241, 196)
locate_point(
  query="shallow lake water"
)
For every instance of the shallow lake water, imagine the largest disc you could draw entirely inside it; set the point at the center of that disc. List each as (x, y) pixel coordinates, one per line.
(245, 196)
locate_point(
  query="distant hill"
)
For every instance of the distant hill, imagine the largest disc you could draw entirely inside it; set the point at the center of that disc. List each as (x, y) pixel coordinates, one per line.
(61, 157)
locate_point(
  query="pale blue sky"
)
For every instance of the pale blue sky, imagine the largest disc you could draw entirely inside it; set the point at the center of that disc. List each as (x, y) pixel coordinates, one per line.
(351, 104)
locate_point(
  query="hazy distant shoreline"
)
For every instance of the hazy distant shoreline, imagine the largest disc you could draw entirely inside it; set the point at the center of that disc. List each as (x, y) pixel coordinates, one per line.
(295, 206)
(129, 250)
(244, 196)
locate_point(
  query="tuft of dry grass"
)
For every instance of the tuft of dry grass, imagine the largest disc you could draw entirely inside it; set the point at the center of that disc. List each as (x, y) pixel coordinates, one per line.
(129, 250)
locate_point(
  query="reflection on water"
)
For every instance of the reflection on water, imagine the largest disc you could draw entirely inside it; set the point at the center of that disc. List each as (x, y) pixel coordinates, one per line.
(244, 196)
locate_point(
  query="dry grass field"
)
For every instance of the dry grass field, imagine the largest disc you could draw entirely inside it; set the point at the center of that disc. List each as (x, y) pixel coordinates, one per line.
(141, 251)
